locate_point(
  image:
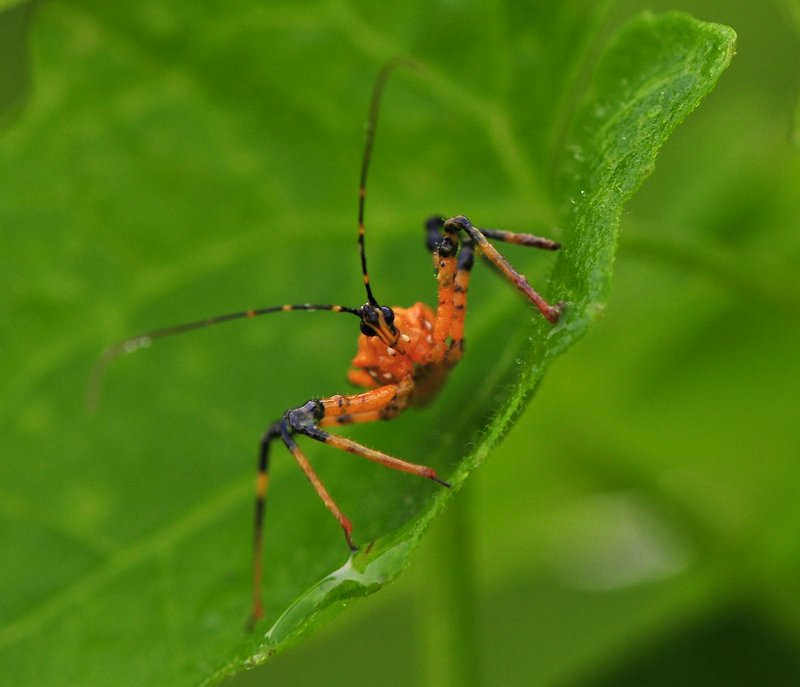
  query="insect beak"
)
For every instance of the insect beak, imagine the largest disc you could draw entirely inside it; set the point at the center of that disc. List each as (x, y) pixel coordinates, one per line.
(388, 334)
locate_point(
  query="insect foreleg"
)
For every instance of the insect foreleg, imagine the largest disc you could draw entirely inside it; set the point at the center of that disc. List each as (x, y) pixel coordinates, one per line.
(464, 263)
(520, 239)
(435, 224)
(461, 223)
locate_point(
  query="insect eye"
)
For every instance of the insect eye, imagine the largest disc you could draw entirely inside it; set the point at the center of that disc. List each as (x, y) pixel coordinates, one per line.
(366, 330)
(388, 314)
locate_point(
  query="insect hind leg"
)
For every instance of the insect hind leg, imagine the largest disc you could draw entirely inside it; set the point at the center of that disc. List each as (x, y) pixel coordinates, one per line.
(262, 483)
(366, 407)
(283, 429)
(286, 434)
(369, 406)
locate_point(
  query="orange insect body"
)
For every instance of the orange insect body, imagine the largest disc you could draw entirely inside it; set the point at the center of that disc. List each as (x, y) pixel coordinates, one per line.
(376, 363)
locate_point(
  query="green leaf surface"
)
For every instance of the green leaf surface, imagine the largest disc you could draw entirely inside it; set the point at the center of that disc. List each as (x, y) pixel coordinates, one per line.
(178, 161)
(14, 69)
(793, 8)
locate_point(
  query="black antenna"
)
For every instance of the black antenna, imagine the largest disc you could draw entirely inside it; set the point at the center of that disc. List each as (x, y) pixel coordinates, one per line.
(144, 340)
(372, 124)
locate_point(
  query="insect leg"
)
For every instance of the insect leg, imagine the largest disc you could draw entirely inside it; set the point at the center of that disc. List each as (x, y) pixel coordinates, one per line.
(550, 312)
(454, 267)
(520, 239)
(292, 421)
(262, 482)
(286, 434)
(464, 264)
(384, 459)
(381, 403)
(433, 234)
(446, 263)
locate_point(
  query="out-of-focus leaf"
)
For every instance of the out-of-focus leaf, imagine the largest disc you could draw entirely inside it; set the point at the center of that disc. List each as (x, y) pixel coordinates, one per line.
(14, 68)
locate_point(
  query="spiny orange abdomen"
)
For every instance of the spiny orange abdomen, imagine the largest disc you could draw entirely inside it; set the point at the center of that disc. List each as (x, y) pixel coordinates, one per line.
(376, 364)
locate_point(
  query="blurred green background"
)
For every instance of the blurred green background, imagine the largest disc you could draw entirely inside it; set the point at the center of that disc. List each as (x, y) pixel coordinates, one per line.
(639, 526)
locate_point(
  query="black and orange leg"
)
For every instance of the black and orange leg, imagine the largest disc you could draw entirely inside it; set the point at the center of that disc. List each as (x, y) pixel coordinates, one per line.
(262, 483)
(478, 237)
(381, 403)
(466, 259)
(445, 257)
(454, 268)
(520, 239)
(434, 226)
(284, 429)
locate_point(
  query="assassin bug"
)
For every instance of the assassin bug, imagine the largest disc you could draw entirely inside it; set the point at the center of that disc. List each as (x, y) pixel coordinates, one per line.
(404, 354)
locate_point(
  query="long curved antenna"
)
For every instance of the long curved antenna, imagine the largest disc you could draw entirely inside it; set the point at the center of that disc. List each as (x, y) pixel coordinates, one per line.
(144, 340)
(372, 124)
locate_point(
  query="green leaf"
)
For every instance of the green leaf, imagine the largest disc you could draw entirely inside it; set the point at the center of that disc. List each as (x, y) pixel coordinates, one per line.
(14, 69)
(178, 161)
(793, 8)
